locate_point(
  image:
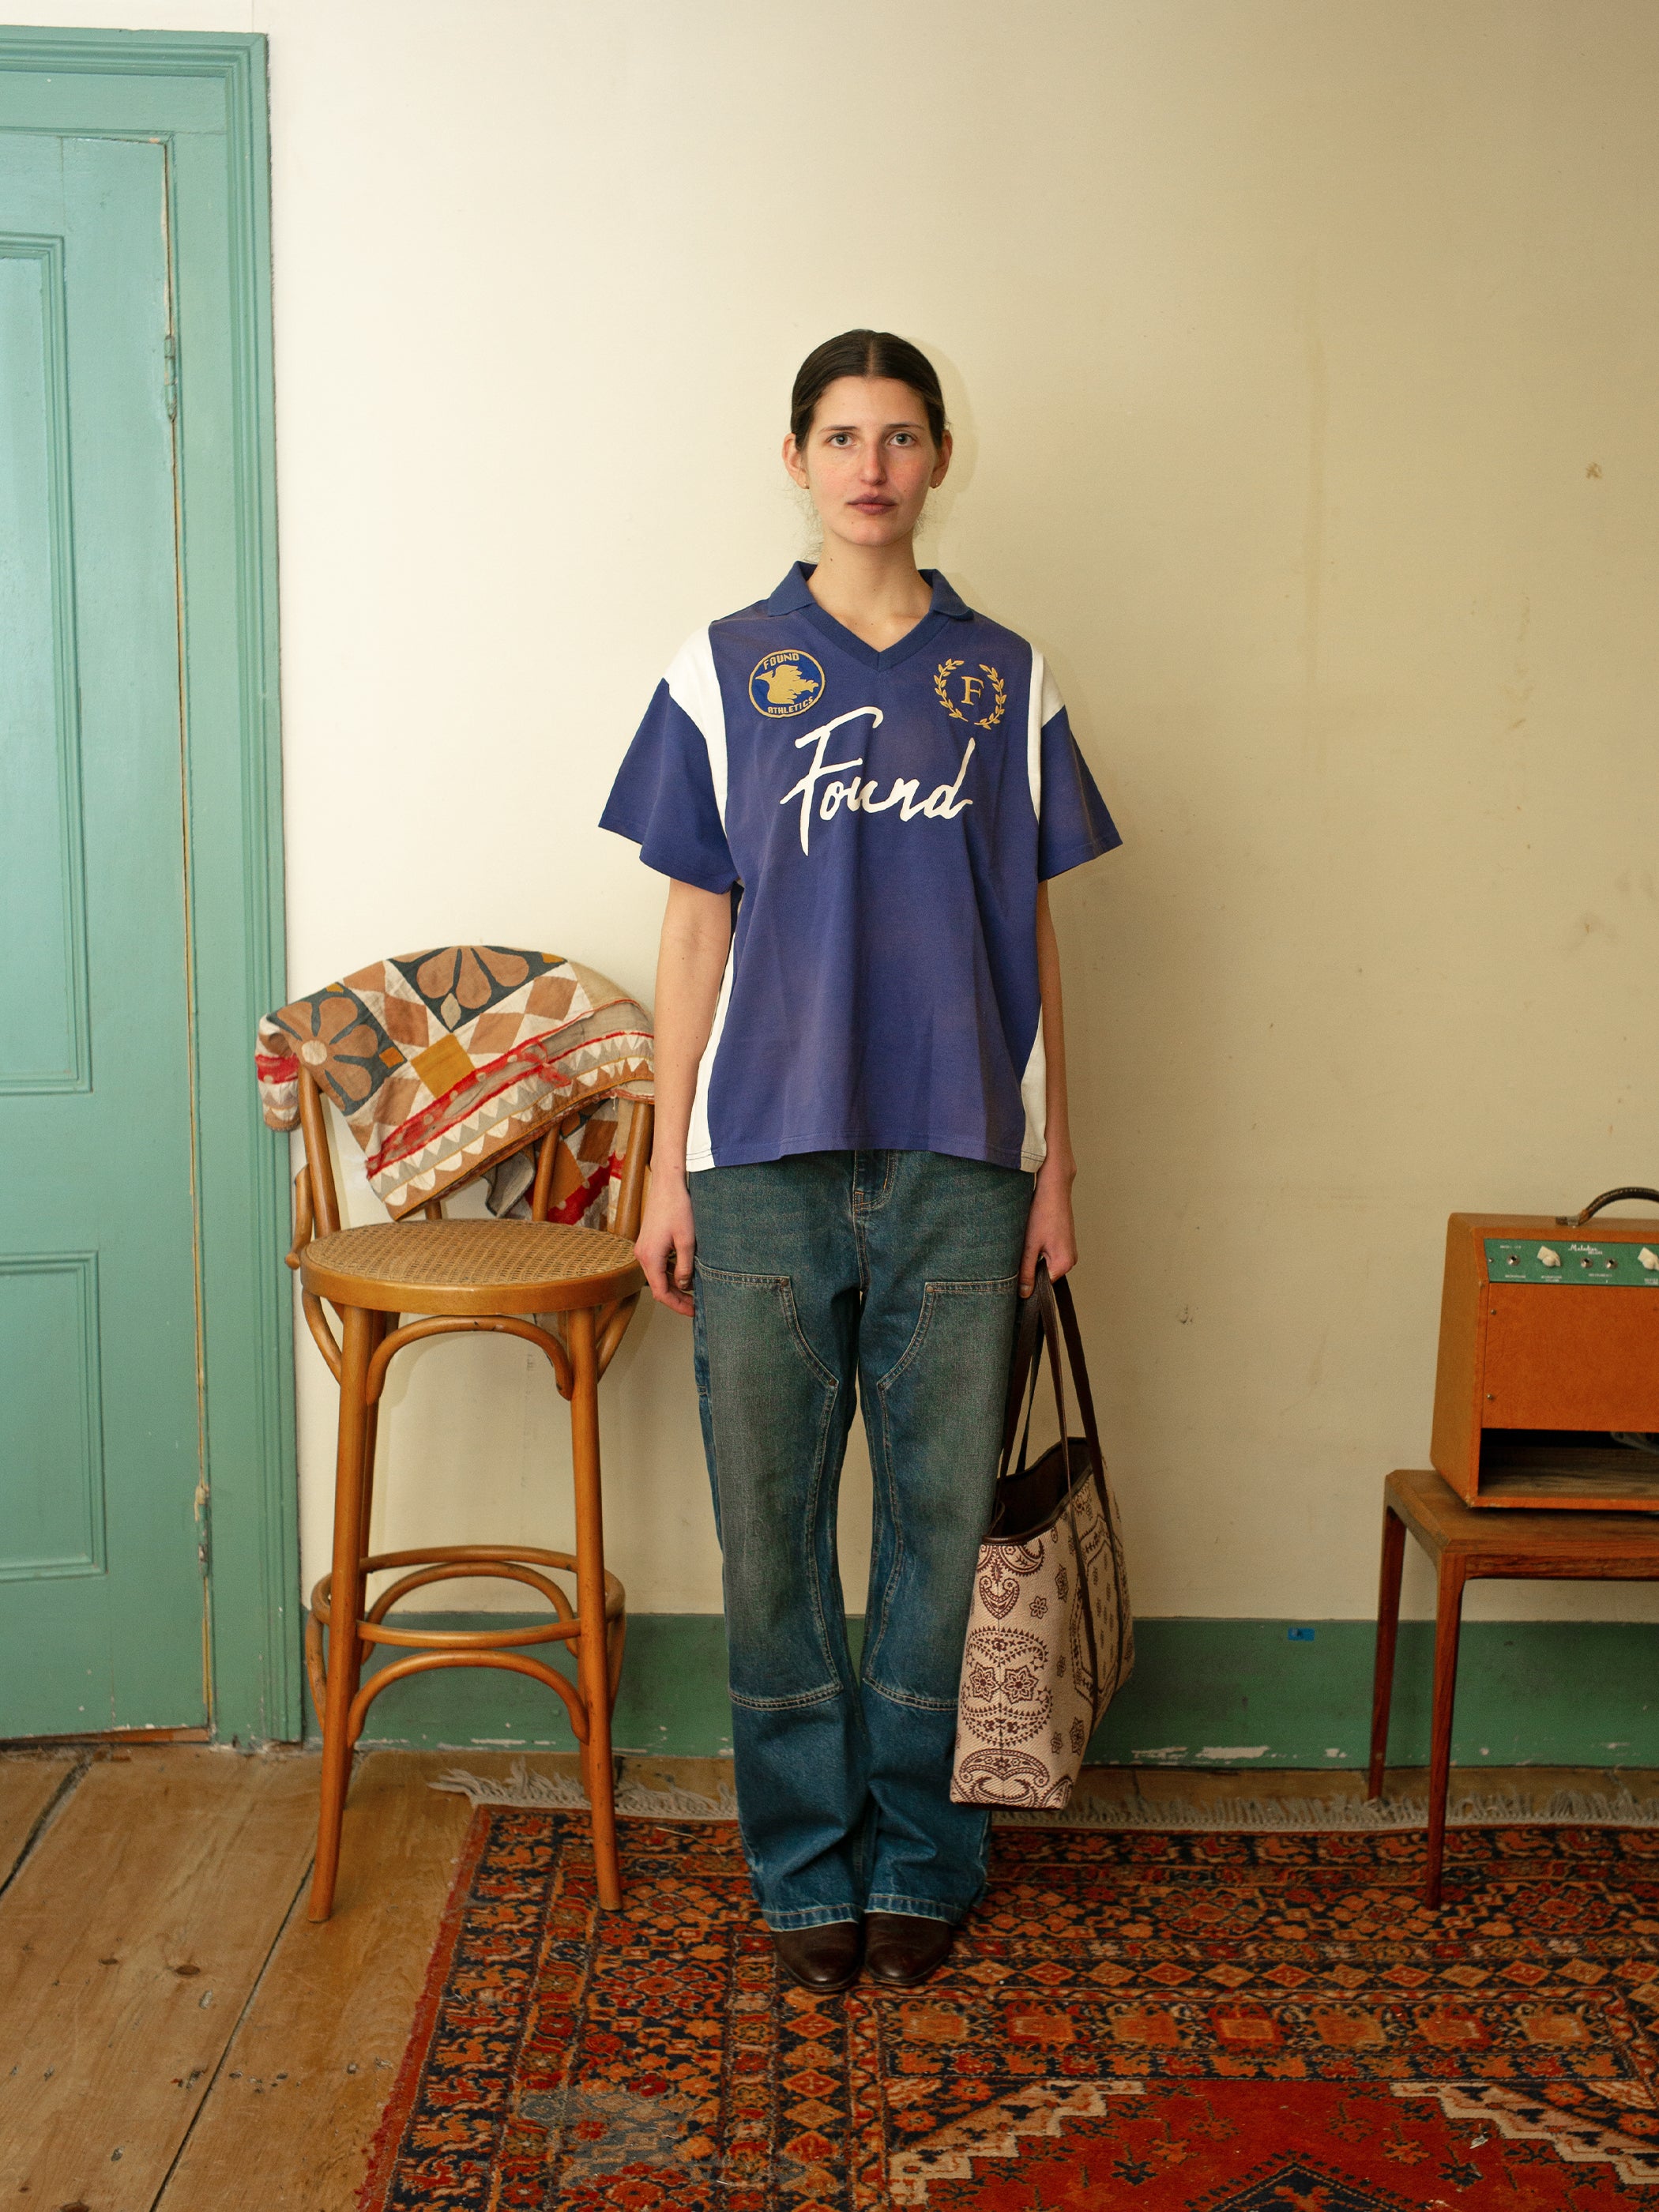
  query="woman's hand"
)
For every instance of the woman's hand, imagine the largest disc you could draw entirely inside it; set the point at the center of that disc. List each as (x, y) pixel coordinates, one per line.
(1050, 1232)
(667, 1241)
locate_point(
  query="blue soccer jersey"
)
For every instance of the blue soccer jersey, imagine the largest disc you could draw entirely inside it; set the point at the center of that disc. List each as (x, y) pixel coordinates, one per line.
(883, 820)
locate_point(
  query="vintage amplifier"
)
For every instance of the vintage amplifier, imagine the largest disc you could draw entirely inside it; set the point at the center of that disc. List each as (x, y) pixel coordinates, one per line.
(1548, 1391)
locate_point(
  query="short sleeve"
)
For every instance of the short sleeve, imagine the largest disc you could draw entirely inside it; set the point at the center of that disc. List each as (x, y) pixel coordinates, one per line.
(664, 799)
(1073, 824)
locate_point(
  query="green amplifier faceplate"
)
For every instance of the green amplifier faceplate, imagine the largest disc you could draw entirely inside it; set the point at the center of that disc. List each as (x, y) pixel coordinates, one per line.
(1569, 1259)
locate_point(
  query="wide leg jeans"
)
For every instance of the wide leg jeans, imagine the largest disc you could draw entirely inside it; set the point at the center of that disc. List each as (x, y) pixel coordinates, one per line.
(822, 1280)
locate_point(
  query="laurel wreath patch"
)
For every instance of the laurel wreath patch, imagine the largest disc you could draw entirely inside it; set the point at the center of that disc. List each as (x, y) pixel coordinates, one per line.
(999, 693)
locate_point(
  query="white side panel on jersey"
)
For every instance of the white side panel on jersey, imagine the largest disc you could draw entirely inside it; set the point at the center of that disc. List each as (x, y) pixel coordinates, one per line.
(1034, 731)
(1033, 1094)
(696, 691)
(1052, 701)
(699, 1145)
(1043, 703)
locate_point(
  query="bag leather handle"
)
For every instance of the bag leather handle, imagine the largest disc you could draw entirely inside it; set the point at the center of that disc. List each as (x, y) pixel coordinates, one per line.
(1608, 1198)
(1050, 1311)
(1020, 1372)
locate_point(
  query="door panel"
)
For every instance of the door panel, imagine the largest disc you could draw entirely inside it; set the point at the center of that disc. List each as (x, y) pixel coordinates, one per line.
(52, 1479)
(101, 1582)
(43, 1014)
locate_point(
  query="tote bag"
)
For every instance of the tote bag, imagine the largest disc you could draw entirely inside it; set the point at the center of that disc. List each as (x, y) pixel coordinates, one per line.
(1050, 1636)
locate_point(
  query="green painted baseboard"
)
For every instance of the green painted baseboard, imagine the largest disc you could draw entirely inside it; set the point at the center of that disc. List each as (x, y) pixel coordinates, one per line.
(1205, 1693)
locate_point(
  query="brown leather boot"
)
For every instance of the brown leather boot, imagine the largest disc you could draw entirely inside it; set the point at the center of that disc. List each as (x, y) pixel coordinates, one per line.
(902, 1948)
(822, 1959)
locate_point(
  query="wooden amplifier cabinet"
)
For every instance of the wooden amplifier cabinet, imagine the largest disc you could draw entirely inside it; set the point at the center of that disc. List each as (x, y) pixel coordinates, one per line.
(1549, 1354)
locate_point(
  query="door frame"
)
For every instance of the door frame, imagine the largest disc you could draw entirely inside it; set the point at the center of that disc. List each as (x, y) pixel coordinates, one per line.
(204, 98)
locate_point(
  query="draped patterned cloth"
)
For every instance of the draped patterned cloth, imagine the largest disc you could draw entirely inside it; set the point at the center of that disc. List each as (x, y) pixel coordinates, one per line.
(446, 1063)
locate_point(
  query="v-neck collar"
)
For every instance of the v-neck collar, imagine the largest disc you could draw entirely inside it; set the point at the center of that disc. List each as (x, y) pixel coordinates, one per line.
(793, 596)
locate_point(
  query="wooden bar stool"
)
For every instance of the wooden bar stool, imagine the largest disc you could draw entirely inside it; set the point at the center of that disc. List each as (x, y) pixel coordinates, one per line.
(456, 1277)
(1466, 1542)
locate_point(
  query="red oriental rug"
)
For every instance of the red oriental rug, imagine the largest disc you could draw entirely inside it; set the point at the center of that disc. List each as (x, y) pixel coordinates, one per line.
(1221, 2023)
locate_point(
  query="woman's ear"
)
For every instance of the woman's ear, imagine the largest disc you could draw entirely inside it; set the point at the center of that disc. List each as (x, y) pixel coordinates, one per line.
(792, 462)
(945, 448)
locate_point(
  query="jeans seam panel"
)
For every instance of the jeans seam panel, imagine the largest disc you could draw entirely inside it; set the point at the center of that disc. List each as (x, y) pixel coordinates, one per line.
(829, 1386)
(907, 1698)
(930, 1295)
(820, 1697)
(895, 1520)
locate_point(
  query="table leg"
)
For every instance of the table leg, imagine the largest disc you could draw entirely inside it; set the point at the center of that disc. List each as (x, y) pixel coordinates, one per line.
(1448, 1620)
(591, 1658)
(1388, 1637)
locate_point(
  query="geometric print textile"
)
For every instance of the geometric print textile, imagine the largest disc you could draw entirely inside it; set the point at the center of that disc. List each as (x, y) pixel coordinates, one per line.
(445, 1063)
(1216, 2023)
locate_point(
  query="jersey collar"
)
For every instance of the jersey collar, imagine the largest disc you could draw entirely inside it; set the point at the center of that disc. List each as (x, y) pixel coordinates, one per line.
(794, 597)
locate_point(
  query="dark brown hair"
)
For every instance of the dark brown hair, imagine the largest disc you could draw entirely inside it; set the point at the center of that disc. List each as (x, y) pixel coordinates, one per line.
(865, 353)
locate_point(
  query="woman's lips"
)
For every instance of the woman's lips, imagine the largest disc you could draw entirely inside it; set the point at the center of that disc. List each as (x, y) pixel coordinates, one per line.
(874, 506)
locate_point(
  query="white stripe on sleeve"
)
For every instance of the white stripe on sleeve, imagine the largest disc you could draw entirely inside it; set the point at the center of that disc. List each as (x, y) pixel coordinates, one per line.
(1034, 720)
(696, 691)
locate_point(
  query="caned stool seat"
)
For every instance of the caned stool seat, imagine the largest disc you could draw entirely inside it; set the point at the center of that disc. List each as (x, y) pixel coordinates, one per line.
(471, 1266)
(391, 1284)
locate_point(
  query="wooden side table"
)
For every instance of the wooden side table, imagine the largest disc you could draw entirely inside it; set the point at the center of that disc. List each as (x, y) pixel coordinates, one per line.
(1465, 1541)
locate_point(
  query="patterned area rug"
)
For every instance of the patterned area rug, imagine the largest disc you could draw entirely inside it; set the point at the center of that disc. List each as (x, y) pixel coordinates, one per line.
(1221, 2023)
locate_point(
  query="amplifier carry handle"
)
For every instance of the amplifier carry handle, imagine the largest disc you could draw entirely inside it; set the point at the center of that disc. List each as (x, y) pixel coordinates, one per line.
(1608, 1198)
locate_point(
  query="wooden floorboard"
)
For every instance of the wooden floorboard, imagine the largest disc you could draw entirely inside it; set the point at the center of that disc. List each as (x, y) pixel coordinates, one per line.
(28, 1785)
(303, 2085)
(130, 1940)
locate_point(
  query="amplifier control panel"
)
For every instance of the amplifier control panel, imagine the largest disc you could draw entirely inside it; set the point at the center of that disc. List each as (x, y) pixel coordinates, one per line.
(1561, 1259)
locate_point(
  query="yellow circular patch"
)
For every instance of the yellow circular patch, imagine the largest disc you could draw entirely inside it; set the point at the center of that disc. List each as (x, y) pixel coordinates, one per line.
(785, 683)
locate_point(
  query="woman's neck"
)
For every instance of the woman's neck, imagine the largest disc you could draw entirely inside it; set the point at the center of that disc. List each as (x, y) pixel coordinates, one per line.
(875, 591)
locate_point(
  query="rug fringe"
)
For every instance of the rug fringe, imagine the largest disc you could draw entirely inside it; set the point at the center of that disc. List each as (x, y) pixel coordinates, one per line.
(564, 1793)
(1574, 1808)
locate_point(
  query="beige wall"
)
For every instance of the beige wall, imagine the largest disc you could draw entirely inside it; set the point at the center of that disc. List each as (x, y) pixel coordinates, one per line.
(1303, 361)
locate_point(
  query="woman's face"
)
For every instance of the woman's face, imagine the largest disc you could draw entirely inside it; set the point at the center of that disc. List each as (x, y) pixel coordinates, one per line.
(869, 460)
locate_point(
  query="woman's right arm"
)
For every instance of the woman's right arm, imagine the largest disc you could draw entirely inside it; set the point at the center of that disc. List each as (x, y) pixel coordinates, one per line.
(697, 938)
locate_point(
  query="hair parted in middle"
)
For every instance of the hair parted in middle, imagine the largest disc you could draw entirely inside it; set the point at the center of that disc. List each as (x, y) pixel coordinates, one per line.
(865, 353)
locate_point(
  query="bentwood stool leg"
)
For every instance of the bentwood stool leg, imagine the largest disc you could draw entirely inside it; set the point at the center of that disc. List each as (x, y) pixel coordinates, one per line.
(1387, 1636)
(359, 1329)
(380, 1322)
(591, 1656)
(1448, 1620)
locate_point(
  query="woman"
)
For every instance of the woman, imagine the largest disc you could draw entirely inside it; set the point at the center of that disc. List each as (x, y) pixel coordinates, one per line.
(858, 788)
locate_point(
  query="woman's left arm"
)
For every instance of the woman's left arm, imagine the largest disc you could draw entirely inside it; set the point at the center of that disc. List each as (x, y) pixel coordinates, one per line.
(1050, 1233)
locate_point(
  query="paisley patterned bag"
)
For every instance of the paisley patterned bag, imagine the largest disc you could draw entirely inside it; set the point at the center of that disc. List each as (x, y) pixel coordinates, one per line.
(1050, 1636)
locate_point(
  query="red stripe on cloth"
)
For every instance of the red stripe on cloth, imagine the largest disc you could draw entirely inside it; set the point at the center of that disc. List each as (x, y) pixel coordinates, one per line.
(484, 1084)
(586, 1194)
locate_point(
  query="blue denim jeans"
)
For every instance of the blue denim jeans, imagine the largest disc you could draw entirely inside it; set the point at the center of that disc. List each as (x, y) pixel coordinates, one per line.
(820, 1278)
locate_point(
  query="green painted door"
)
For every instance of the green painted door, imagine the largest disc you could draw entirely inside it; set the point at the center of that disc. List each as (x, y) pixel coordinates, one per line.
(101, 1589)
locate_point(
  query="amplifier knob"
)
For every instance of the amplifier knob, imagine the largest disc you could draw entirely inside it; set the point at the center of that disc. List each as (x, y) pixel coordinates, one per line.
(1548, 1258)
(1648, 1258)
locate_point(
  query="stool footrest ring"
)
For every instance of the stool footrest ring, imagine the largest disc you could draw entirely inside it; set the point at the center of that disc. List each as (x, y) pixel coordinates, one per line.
(435, 1648)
